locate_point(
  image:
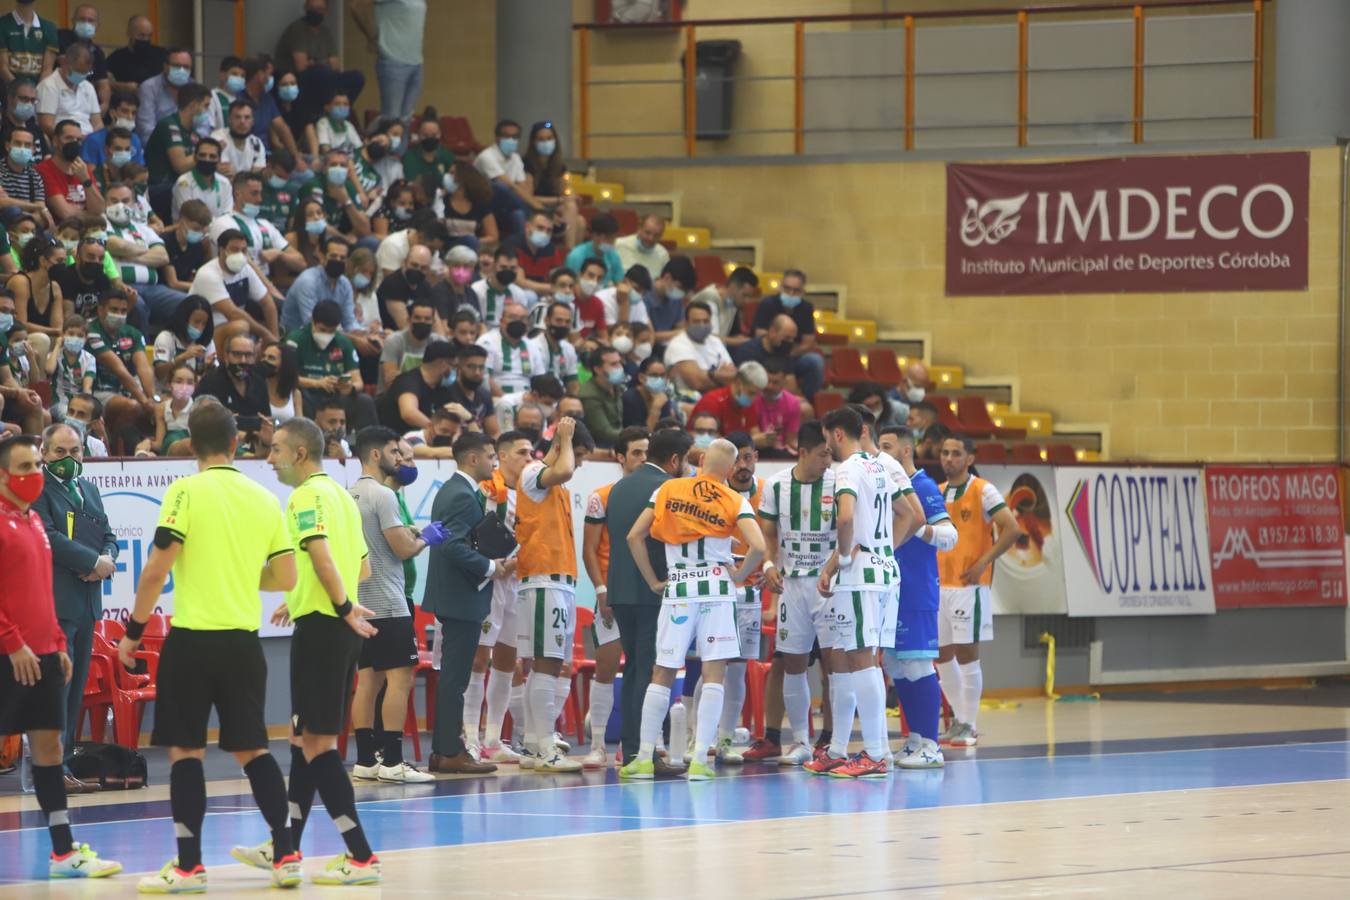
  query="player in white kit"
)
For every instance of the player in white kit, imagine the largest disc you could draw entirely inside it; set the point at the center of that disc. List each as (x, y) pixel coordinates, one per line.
(858, 578)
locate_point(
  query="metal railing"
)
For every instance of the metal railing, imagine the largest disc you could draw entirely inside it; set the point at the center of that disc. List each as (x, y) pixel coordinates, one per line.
(908, 23)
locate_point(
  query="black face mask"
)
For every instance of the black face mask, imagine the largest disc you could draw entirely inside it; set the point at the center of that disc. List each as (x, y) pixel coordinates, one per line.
(207, 169)
(420, 330)
(430, 144)
(335, 268)
(238, 371)
(559, 332)
(267, 369)
(313, 17)
(470, 384)
(506, 277)
(89, 271)
(414, 277)
(71, 151)
(516, 330)
(141, 46)
(377, 151)
(442, 440)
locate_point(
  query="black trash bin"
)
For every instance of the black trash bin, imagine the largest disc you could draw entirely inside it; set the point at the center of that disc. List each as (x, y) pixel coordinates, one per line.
(713, 65)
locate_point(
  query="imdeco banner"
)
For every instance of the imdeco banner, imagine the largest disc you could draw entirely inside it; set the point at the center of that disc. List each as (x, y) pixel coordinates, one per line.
(1141, 224)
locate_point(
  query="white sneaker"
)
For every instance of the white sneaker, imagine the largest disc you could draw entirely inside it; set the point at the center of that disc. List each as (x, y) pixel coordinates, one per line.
(259, 857)
(952, 731)
(500, 754)
(527, 758)
(405, 773)
(562, 745)
(475, 751)
(367, 773)
(966, 737)
(797, 755)
(598, 758)
(927, 755)
(727, 754)
(557, 763)
(344, 870)
(81, 862)
(172, 880)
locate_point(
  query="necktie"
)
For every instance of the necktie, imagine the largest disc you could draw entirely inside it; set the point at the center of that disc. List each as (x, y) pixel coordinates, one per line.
(74, 491)
(482, 499)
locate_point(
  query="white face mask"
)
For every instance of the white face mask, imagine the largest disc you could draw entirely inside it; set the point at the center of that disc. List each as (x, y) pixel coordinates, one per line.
(588, 286)
(642, 351)
(118, 213)
(623, 343)
(914, 394)
(128, 124)
(235, 262)
(322, 339)
(549, 409)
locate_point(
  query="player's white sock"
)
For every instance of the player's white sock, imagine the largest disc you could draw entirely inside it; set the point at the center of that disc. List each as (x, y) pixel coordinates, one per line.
(539, 695)
(842, 704)
(972, 685)
(949, 674)
(563, 688)
(871, 693)
(733, 694)
(498, 695)
(709, 715)
(654, 706)
(517, 708)
(601, 704)
(797, 702)
(473, 706)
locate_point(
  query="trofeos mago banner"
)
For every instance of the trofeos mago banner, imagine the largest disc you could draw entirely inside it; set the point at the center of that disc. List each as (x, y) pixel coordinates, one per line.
(1151, 224)
(1138, 542)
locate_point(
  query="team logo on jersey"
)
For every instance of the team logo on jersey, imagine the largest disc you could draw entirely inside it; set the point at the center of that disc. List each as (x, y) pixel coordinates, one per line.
(558, 639)
(965, 514)
(487, 626)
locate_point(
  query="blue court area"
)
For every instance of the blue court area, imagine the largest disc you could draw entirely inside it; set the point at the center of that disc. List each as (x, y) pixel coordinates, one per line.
(523, 806)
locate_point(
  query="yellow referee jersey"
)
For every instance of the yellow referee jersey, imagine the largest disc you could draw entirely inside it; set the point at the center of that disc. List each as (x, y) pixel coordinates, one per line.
(321, 508)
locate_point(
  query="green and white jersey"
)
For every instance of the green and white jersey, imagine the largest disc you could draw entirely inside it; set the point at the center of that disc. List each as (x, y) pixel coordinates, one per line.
(873, 566)
(804, 514)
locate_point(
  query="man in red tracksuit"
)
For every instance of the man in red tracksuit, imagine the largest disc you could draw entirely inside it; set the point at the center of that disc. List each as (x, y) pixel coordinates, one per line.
(33, 685)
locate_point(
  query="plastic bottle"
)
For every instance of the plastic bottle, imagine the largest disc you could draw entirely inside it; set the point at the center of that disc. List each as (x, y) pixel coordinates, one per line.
(26, 768)
(678, 732)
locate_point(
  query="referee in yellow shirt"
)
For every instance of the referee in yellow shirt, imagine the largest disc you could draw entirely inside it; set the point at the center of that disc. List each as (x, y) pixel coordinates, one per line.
(224, 538)
(331, 560)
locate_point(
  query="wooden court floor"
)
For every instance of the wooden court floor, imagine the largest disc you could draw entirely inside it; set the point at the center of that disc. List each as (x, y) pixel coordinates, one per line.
(1235, 796)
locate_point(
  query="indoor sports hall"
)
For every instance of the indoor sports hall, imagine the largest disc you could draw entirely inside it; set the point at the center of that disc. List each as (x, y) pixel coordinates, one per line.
(1090, 258)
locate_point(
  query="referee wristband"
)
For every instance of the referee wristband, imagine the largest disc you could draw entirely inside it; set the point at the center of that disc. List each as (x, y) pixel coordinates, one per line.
(601, 589)
(344, 609)
(135, 629)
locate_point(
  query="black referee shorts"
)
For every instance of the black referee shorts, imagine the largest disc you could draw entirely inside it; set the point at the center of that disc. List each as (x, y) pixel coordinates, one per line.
(324, 651)
(394, 645)
(199, 670)
(39, 707)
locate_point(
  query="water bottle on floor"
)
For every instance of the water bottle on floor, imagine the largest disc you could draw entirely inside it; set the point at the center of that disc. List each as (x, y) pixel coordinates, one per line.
(678, 733)
(26, 768)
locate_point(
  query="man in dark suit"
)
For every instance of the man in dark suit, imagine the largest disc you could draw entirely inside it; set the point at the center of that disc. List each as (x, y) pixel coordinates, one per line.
(636, 608)
(459, 595)
(84, 553)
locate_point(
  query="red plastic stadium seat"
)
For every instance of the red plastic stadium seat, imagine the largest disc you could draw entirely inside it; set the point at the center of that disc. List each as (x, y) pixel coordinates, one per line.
(883, 367)
(1026, 454)
(974, 414)
(628, 223)
(827, 402)
(1060, 454)
(423, 622)
(945, 414)
(844, 368)
(708, 269)
(826, 339)
(458, 136)
(991, 452)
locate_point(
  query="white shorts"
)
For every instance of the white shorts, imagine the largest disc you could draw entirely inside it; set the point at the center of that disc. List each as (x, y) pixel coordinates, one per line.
(965, 615)
(855, 619)
(710, 626)
(890, 614)
(501, 618)
(604, 631)
(801, 617)
(749, 621)
(545, 619)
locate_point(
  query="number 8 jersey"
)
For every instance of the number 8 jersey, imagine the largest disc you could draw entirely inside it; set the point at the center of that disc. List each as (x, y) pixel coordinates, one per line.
(873, 488)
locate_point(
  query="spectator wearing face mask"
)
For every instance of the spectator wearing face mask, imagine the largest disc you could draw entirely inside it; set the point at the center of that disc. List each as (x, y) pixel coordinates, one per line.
(545, 393)
(139, 60)
(555, 348)
(669, 296)
(604, 230)
(19, 177)
(497, 288)
(427, 156)
(434, 441)
(780, 413)
(512, 359)
(115, 162)
(378, 167)
(538, 255)
(140, 254)
(465, 200)
(399, 290)
(240, 301)
(28, 44)
(395, 210)
(602, 396)
(807, 364)
(590, 308)
(267, 246)
(68, 94)
(172, 140)
(736, 406)
(279, 196)
(326, 283)
(186, 245)
(241, 149)
(230, 83)
(188, 339)
(910, 390)
(470, 389)
(412, 397)
(403, 349)
(424, 228)
(343, 201)
(21, 112)
(82, 31)
(452, 294)
(67, 179)
(204, 182)
(122, 109)
(561, 287)
(649, 400)
(644, 248)
(85, 279)
(696, 357)
(776, 343)
(70, 367)
(329, 366)
(705, 428)
(84, 413)
(501, 164)
(625, 302)
(334, 130)
(726, 302)
(160, 95)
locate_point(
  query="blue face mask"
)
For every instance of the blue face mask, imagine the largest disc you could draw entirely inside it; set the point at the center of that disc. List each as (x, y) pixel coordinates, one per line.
(655, 383)
(360, 281)
(271, 82)
(288, 92)
(337, 174)
(675, 294)
(742, 400)
(450, 378)
(540, 239)
(316, 226)
(234, 83)
(179, 75)
(703, 441)
(508, 146)
(616, 376)
(405, 475)
(201, 120)
(24, 111)
(21, 156)
(448, 182)
(77, 78)
(76, 424)
(251, 210)
(194, 333)
(546, 148)
(85, 31)
(276, 182)
(340, 113)
(789, 302)
(73, 345)
(195, 237)
(120, 157)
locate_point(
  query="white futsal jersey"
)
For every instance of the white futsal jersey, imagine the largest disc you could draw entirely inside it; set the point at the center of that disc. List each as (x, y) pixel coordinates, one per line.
(873, 567)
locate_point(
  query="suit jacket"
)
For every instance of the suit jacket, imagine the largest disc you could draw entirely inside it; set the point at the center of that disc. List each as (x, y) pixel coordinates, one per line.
(627, 500)
(72, 557)
(455, 569)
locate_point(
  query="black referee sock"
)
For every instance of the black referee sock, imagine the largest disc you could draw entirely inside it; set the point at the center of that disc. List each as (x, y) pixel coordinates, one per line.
(50, 784)
(187, 802)
(335, 788)
(269, 792)
(393, 747)
(773, 735)
(300, 793)
(365, 747)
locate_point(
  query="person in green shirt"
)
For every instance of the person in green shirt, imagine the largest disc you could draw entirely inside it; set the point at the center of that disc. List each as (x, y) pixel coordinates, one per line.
(28, 45)
(224, 539)
(428, 156)
(279, 197)
(124, 382)
(329, 366)
(169, 152)
(334, 185)
(331, 560)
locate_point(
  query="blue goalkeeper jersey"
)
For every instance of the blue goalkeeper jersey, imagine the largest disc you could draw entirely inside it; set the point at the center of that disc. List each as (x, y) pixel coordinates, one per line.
(918, 560)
